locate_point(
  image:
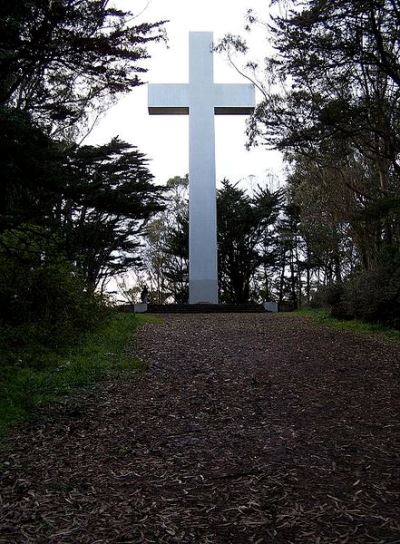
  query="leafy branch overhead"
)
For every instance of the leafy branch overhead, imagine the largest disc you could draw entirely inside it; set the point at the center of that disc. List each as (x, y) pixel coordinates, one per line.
(59, 58)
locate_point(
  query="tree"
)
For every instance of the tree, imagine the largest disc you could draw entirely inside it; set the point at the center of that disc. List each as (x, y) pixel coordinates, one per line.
(95, 200)
(114, 199)
(327, 92)
(166, 253)
(327, 59)
(33, 172)
(58, 60)
(61, 57)
(176, 267)
(245, 233)
(326, 207)
(243, 222)
(70, 216)
(331, 104)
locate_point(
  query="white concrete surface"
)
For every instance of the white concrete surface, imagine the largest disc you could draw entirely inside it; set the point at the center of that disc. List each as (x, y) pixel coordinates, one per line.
(201, 99)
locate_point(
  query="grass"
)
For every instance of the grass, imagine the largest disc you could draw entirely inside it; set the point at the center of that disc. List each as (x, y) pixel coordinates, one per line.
(95, 356)
(322, 316)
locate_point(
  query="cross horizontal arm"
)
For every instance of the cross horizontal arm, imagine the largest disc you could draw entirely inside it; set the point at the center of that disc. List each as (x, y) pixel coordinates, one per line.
(168, 99)
(234, 99)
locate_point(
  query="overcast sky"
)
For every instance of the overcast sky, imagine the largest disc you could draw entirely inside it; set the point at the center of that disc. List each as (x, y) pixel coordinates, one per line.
(164, 139)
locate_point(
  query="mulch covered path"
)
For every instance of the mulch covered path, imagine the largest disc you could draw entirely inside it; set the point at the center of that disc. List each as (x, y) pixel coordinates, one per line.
(244, 429)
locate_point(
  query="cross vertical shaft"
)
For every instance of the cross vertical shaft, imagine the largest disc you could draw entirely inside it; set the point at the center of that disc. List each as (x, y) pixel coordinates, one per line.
(202, 99)
(203, 268)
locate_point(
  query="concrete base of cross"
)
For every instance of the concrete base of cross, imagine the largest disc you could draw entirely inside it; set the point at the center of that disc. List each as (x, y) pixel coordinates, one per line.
(203, 292)
(140, 308)
(271, 306)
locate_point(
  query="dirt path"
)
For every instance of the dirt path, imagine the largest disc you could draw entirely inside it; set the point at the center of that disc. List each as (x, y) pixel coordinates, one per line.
(245, 429)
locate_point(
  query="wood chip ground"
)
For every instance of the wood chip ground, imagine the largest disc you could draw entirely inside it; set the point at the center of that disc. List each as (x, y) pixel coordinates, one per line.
(245, 428)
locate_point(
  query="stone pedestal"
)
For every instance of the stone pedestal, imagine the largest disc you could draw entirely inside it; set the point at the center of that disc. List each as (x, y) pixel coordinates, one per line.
(140, 308)
(271, 306)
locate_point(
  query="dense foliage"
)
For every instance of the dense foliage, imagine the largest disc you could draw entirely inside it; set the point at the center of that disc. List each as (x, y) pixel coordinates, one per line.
(244, 239)
(331, 103)
(70, 215)
(58, 58)
(246, 246)
(166, 253)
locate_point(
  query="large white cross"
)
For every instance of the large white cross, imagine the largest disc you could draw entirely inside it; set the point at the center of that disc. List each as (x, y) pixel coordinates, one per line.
(201, 99)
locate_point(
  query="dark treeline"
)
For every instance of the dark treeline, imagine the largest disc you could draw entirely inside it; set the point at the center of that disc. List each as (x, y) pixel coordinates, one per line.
(331, 104)
(292, 245)
(70, 214)
(260, 254)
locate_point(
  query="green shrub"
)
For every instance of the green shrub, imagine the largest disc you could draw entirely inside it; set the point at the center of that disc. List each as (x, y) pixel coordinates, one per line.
(327, 295)
(29, 382)
(43, 300)
(373, 295)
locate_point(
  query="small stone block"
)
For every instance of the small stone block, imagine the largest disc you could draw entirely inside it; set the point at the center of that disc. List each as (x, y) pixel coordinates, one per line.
(271, 306)
(140, 308)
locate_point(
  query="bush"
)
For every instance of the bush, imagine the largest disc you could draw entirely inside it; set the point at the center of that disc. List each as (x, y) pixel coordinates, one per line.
(327, 295)
(373, 295)
(44, 303)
